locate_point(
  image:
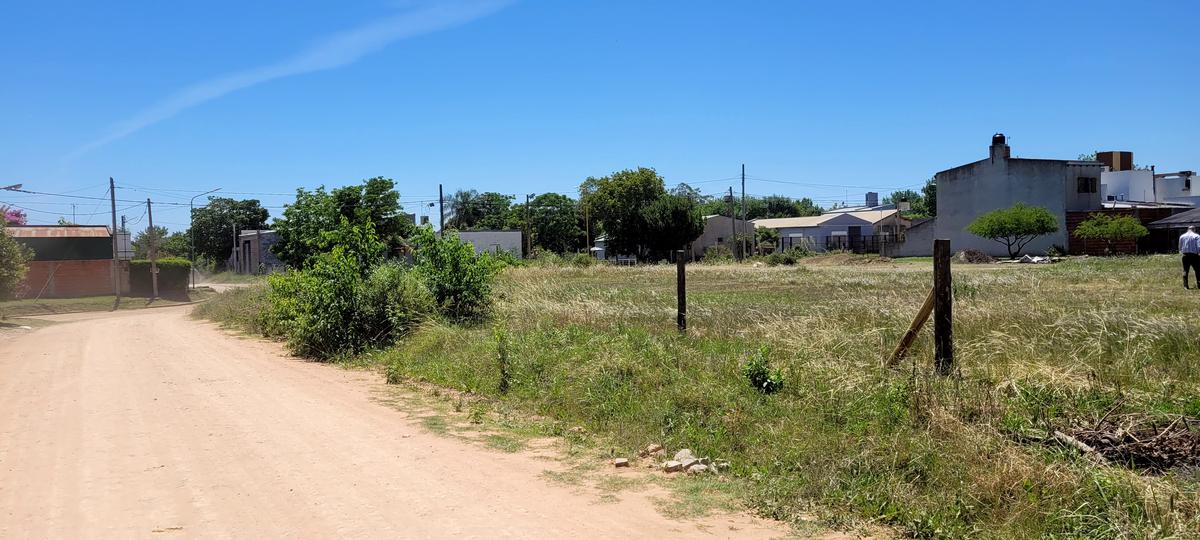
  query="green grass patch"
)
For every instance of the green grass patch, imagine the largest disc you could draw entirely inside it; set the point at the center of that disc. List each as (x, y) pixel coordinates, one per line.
(1037, 346)
(55, 306)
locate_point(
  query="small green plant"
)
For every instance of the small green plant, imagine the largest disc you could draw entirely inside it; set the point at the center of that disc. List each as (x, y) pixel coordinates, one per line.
(758, 371)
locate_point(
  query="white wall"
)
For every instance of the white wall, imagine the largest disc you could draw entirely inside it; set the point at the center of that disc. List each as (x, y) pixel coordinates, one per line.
(968, 191)
(491, 241)
(1127, 185)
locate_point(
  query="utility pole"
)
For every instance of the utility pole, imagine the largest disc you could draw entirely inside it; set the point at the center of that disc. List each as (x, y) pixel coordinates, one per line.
(528, 227)
(122, 223)
(733, 224)
(441, 210)
(153, 251)
(116, 266)
(743, 209)
(73, 214)
(237, 252)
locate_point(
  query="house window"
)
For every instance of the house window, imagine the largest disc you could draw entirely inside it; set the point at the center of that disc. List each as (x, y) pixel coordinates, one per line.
(720, 239)
(1084, 184)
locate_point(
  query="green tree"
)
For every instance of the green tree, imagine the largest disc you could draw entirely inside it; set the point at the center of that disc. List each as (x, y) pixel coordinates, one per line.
(555, 223)
(1111, 229)
(1015, 226)
(302, 228)
(144, 239)
(213, 225)
(618, 203)
(929, 198)
(474, 211)
(176, 244)
(14, 260)
(672, 222)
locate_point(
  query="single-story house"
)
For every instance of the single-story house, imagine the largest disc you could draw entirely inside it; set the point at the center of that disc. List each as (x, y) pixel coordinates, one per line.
(68, 261)
(860, 229)
(721, 231)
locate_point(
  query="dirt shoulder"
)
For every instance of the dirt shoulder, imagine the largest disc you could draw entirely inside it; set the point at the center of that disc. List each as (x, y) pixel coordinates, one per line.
(132, 423)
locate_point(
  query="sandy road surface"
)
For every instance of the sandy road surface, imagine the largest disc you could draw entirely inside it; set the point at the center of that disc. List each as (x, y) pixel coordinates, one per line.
(149, 424)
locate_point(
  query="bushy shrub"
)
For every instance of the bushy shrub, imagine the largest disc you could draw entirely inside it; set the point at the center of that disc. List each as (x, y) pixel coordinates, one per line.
(789, 257)
(460, 280)
(718, 254)
(172, 277)
(317, 308)
(758, 371)
(393, 300)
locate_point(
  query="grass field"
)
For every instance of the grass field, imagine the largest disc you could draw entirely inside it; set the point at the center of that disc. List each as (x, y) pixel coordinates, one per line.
(1039, 348)
(52, 306)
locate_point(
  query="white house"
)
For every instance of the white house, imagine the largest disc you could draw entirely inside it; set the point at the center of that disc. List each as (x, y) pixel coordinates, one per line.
(865, 229)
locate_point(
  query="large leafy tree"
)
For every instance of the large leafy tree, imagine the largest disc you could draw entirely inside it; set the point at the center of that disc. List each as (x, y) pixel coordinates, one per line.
(771, 206)
(1111, 229)
(214, 223)
(929, 198)
(14, 259)
(169, 244)
(1015, 227)
(554, 221)
(672, 222)
(618, 203)
(303, 229)
(471, 210)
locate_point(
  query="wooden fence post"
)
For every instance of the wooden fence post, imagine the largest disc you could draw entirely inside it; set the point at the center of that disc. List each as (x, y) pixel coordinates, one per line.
(681, 291)
(943, 325)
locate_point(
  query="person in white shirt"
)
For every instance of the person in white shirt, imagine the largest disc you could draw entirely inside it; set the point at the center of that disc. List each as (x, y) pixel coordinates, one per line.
(1189, 247)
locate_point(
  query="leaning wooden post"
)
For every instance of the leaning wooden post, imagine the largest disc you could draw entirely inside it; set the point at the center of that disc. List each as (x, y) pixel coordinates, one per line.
(681, 291)
(943, 327)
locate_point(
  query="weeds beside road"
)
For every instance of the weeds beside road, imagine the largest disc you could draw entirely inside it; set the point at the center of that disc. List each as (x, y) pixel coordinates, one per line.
(1040, 348)
(55, 306)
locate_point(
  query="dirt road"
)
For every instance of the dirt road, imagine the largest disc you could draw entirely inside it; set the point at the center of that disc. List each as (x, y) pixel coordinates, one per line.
(147, 423)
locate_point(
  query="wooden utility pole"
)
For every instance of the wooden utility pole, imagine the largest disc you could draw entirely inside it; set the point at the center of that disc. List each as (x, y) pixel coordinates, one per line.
(116, 265)
(743, 209)
(943, 304)
(733, 225)
(528, 228)
(441, 210)
(681, 291)
(153, 251)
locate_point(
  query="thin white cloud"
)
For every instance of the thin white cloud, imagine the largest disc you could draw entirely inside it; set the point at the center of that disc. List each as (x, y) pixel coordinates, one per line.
(336, 51)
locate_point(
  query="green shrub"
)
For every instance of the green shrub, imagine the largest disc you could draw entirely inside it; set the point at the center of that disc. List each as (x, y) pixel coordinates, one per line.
(718, 254)
(317, 309)
(393, 300)
(758, 371)
(789, 257)
(460, 280)
(172, 277)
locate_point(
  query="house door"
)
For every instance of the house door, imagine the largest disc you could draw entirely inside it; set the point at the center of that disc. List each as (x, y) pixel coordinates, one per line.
(854, 238)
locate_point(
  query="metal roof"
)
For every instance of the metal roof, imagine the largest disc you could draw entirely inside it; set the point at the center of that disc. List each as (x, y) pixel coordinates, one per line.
(57, 231)
(1178, 221)
(869, 216)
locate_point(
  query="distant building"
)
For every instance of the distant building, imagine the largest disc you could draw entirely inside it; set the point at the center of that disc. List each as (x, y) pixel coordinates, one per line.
(1000, 181)
(1120, 182)
(495, 241)
(252, 254)
(721, 231)
(68, 261)
(871, 228)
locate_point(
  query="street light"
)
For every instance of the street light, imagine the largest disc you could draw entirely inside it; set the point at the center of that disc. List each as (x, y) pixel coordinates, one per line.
(14, 187)
(192, 233)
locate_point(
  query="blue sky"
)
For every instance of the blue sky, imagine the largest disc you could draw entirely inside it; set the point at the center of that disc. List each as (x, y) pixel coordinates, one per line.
(823, 100)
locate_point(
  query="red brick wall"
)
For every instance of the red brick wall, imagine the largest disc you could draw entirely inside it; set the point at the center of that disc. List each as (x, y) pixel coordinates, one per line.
(67, 279)
(1080, 246)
